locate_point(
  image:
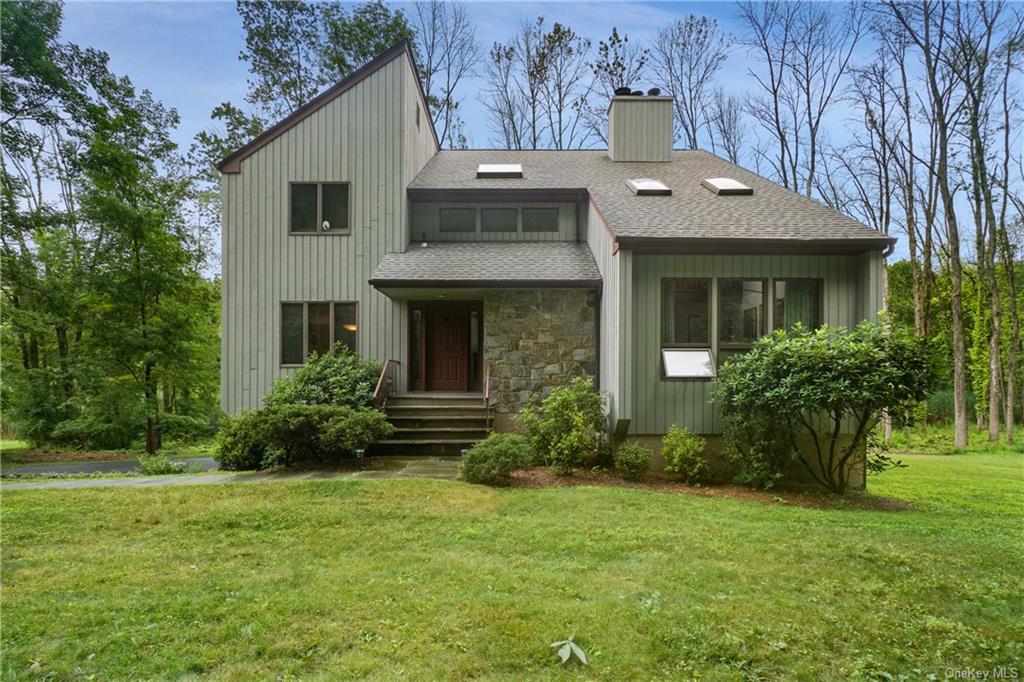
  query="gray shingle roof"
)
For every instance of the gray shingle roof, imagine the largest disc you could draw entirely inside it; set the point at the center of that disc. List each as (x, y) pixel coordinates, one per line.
(691, 212)
(490, 262)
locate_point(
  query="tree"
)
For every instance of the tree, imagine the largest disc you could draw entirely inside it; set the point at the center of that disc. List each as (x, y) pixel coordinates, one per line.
(618, 64)
(449, 51)
(687, 54)
(820, 381)
(728, 130)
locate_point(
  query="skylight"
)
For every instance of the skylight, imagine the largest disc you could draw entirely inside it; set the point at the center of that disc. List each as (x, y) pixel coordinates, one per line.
(648, 186)
(726, 186)
(499, 170)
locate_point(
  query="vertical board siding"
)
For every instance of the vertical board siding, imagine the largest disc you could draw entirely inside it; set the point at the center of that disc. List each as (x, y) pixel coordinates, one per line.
(601, 244)
(368, 137)
(424, 219)
(852, 293)
(640, 129)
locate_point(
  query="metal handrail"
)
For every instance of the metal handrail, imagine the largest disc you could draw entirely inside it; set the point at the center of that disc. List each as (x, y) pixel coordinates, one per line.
(487, 393)
(385, 383)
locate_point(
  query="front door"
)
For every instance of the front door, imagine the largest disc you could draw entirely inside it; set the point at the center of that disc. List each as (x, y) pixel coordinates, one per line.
(444, 345)
(447, 346)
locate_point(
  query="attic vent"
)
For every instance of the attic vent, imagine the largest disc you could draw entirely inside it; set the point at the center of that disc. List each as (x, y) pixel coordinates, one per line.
(726, 186)
(648, 186)
(499, 170)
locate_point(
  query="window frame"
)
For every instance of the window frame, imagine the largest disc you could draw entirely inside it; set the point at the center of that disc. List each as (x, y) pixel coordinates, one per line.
(320, 232)
(821, 298)
(522, 219)
(305, 327)
(741, 345)
(476, 219)
(710, 285)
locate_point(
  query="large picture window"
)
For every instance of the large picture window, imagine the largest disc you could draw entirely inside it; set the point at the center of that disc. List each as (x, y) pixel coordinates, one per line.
(316, 327)
(797, 301)
(319, 208)
(685, 314)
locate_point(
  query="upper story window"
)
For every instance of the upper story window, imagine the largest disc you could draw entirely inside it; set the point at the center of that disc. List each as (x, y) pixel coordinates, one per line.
(499, 220)
(540, 220)
(316, 327)
(798, 300)
(457, 220)
(319, 208)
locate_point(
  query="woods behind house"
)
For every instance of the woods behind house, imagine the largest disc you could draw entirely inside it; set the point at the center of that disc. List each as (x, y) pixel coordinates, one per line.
(905, 116)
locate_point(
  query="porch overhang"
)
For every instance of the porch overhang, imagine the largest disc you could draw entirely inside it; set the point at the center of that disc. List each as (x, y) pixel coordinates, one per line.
(460, 270)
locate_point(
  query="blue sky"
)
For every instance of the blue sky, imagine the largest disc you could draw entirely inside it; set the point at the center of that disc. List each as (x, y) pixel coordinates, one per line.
(186, 53)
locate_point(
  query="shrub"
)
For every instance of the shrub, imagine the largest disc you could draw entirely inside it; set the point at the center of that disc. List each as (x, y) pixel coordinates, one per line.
(492, 460)
(159, 465)
(339, 377)
(564, 429)
(684, 455)
(818, 382)
(284, 435)
(757, 447)
(632, 460)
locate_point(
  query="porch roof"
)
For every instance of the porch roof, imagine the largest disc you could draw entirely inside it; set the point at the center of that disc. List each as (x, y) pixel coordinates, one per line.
(489, 265)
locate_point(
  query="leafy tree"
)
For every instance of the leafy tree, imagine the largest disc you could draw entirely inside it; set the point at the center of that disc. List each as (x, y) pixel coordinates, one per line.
(816, 382)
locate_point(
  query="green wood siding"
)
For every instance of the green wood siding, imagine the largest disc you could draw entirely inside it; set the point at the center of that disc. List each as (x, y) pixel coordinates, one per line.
(366, 137)
(601, 244)
(852, 293)
(424, 219)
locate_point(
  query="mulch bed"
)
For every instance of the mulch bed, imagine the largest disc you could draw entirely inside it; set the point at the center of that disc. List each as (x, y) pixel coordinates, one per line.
(48, 456)
(542, 477)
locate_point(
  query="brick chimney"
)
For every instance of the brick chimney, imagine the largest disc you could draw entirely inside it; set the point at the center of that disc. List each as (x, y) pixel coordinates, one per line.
(640, 128)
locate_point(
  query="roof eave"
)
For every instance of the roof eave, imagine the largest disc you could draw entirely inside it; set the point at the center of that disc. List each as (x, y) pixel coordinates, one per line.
(389, 283)
(233, 162)
(694, 245)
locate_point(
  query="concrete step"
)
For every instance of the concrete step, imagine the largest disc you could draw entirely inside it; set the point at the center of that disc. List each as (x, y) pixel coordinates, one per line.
(444, 421)
(421, 447)
(442, 433)
(418, 411)
(432, 399)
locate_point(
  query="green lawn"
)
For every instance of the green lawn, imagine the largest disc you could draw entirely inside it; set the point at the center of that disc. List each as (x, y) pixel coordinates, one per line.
(432, 579)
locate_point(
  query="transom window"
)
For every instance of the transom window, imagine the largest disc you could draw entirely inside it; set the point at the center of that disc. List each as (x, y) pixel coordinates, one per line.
(499, 220)
(540, 220)
(458, 219)
(319, 208)
(315, 327)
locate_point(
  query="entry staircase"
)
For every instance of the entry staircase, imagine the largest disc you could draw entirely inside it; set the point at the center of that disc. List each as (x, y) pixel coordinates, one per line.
(433, 423)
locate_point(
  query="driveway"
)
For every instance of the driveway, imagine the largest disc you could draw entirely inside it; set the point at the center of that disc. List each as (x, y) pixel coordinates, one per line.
(381, 467)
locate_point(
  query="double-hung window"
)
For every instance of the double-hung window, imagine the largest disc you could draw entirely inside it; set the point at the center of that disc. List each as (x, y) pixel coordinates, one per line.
(319, 208)
(315, 327)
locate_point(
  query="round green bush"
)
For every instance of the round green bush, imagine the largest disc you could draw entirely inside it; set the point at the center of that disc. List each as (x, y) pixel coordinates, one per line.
(632, 460)
(492, 460)
(684, 455)
(564, 430)
(340, 377)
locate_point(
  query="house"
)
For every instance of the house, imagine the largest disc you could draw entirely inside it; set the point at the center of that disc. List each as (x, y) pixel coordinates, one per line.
(507, 272)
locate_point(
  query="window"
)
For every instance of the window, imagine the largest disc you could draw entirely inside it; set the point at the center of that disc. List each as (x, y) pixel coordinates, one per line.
(319, 208)
(687, 363)
(798, 300)
(458, 219)
(499, 170)
(316, 327)
(726, 186)
(741, 315)
(685, 306)
(540, 220)
(499, 220)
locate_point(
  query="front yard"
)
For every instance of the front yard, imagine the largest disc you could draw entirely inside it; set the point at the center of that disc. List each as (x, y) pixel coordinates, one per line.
(434, 579)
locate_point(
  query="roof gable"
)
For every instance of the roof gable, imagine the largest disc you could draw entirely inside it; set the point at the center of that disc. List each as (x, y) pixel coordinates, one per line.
(233, 162)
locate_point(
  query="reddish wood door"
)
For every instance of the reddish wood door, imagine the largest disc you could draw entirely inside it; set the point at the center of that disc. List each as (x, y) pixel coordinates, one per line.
(448, 347)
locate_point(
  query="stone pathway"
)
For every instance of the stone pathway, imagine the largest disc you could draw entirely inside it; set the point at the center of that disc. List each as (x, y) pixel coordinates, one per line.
(391, 467)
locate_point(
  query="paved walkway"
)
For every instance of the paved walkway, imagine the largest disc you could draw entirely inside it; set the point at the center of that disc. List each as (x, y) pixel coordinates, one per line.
(384, 467)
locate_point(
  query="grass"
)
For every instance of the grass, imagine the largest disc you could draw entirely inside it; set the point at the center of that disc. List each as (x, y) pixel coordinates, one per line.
(938, 439)
(434, 579)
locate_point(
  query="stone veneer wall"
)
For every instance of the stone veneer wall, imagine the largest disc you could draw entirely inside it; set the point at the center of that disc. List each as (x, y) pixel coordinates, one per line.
(535, 340)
